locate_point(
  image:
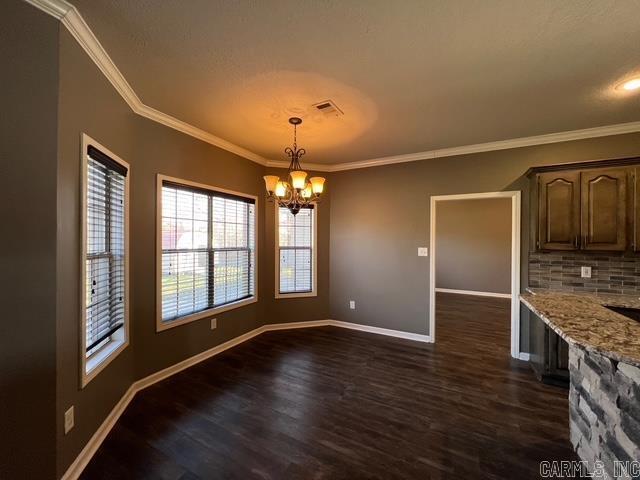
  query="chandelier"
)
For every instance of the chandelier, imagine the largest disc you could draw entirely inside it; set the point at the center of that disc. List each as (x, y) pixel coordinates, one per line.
(299, 192)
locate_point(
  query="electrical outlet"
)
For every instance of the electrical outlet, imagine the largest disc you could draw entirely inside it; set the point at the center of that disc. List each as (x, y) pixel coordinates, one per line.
(423, 252)
(68, 420)
(214, 323)
(352, 304)
(585, 272)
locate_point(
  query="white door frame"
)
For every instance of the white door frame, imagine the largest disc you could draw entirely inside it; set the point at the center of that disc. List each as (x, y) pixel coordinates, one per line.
(515, 197)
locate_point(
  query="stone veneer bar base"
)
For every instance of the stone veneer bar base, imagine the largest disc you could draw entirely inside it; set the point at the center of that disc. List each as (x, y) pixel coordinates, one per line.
(604, 405)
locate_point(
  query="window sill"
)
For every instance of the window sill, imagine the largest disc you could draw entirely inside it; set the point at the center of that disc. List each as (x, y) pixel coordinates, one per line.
(101, 359)
(280, 296)
(161, 326)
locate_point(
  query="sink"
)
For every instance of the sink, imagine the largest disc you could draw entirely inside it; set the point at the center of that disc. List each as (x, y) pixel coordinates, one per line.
(632, 313)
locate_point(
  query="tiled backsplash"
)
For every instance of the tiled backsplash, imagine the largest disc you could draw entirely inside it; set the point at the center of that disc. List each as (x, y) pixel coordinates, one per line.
(610, 273)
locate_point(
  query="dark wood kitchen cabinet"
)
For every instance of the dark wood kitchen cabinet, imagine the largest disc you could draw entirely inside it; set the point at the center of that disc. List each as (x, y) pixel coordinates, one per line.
(604, 209)
(587, 209)
(549, 353)
(559, 210)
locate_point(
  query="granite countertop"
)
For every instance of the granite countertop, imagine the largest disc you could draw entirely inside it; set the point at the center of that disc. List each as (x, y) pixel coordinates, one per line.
(582, 319)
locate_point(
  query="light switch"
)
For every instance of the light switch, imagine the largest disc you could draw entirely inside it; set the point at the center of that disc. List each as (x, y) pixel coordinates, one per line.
(585, 272)
(423, 251)
(352, 304)
(214, 323)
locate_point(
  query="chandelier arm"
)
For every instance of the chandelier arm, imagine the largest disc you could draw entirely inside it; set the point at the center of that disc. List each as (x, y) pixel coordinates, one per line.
(290, 196)
(293, 201)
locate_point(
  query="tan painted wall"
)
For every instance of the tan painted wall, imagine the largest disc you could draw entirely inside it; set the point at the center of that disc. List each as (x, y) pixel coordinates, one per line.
(473, 239)
(88, 103)
(372, 225)
(380, 216)
(299, 309)
(29, 91)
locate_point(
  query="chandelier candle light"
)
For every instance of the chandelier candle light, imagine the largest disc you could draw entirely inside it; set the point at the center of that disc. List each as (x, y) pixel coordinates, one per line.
(298, 193)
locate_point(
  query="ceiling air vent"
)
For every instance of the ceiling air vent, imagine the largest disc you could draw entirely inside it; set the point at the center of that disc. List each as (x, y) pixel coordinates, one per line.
(328, 108)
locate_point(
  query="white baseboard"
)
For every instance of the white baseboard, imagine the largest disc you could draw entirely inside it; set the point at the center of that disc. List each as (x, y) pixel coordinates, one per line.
(473, 292)
(351, 326)
(524, 356)
(189, 362)
(89, 450)
(83, 458)
(292, 325)
(381, 331)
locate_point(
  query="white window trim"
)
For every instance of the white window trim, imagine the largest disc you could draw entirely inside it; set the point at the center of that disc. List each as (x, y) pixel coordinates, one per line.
(91, 367)
(160, 325)
(314, 291)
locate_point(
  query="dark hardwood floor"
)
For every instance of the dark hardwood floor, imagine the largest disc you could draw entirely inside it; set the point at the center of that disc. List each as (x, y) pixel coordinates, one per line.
(323, 403)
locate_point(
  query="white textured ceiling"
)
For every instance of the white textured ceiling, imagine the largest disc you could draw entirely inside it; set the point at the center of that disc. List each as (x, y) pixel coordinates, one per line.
(410, 76)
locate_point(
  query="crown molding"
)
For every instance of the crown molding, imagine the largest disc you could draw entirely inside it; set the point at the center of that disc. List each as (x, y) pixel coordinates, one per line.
(79, 29)
(184, 127)
(56, 8)
(604, 131)
(73, 21)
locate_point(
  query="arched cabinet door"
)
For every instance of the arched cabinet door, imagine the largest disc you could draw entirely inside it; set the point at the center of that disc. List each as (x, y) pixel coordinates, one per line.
(604, 209)
(559, 210)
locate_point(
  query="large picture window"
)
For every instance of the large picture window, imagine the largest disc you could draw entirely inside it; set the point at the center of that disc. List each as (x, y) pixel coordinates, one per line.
(207, 241)
(105, 263)
(296, 252)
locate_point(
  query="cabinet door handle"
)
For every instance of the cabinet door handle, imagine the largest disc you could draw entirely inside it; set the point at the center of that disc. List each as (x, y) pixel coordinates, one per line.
(575, 241)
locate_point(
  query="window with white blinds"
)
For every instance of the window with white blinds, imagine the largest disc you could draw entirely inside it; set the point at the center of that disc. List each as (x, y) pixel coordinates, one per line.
(208, 249)
(105, 249)
(296, 251)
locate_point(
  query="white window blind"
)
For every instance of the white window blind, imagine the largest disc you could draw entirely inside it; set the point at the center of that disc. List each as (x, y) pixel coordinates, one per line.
(105, 249)
(296, 250)
(208, 243)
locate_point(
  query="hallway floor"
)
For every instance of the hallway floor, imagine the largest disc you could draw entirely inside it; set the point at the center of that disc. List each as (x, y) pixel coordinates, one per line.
(326, 402)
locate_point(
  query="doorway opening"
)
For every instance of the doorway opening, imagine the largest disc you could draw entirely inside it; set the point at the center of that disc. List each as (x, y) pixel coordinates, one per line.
(513, 288)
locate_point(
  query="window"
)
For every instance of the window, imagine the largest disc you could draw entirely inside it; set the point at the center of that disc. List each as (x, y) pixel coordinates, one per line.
(207, 243)
(105, 257)
(296, 255)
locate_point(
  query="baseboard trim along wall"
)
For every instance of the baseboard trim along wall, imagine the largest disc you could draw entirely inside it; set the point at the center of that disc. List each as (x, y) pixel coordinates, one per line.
(473, 292)
(81, 461)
